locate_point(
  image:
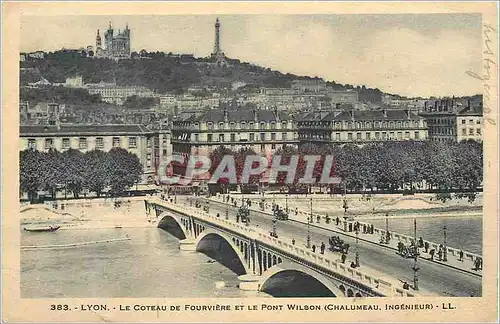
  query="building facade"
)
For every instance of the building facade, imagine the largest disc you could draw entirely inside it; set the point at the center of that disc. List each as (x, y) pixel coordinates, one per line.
(136, 139)
(112, 93)
(115, 46)
(361, 127)
(449, 120)
(263, 131)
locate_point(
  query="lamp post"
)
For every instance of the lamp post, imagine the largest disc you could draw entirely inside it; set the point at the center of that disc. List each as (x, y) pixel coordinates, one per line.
(445, 257)
(227, 210)
(415, 260)
(286, 203)
(309, 226)
(356, 256)
(387, 228)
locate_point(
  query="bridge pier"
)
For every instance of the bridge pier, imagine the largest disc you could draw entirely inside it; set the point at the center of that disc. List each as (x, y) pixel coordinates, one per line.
(187, 245)
(249, 282)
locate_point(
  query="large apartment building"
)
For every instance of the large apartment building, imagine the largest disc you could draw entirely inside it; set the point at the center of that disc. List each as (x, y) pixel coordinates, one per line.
(261, 130)
(148, 145)
(361, 126)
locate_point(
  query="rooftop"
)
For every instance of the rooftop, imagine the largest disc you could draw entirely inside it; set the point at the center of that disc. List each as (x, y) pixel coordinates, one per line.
(38, 130)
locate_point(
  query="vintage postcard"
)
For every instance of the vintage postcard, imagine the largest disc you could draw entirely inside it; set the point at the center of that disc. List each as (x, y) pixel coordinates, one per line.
(249, 162)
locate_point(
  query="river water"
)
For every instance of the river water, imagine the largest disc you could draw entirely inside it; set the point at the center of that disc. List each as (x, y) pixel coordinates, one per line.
(462, 232)
(149, 265)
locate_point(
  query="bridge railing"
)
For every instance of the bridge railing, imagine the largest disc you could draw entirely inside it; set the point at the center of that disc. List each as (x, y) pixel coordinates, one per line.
(375, 282)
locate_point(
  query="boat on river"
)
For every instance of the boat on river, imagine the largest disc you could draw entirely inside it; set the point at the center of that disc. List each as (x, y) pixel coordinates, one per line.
(50, 228)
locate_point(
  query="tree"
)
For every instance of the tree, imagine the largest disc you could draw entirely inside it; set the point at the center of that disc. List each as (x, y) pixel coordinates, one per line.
(73, 164)
(124, 170)
(30, 176)
(96, 176)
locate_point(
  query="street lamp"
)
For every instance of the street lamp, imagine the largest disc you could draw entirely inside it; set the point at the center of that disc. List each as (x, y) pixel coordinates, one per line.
(445, 257)
(309, 226)
(227, 210)
(415, 260)
(387, 228)
(286, 203)
(356, 256)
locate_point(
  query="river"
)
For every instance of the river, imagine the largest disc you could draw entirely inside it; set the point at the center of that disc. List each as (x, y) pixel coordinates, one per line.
(149, 265)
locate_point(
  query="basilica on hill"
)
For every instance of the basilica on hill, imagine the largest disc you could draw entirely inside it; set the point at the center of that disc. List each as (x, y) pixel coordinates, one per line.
(116, 46)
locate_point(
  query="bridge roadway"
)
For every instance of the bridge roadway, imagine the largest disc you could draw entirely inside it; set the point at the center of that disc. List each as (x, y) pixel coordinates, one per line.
(433, 277)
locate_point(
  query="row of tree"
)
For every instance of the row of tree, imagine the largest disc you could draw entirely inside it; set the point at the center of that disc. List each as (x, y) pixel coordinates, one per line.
(387, 167)
(74, 172)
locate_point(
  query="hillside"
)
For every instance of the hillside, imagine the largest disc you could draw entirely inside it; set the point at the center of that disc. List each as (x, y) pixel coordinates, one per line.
(164, 73)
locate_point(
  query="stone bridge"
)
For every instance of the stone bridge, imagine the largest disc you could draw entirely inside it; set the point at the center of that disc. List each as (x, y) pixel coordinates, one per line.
(263, 260)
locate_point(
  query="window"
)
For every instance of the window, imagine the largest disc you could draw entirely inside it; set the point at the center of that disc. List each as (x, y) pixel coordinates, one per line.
(349, 136)
(31, 144)
(384, 136)
(407, 135)
(262, 147)
(132, 142)
(164, 152)
(210, 125)
(99, 143)
(252, 137)
(358, 125)
(233, 137)
(148, 142)
(82, 143)
(49, 142)
(377, 135)
(478, 131)
(398, 124)
(273, 146)
(196, 137)
(243, 125)
(463, 121)
(116, 142)
(368, 136)
(221, 137)
(209, 137)
(337, 136)
(391, 124)
(148, 160)
(283, 125)
(471, 131)
(262, 125)
(273, 136)
(391, 135)
(417, 135)
(471, 121)
(251, 125)
(232, 125)
(283, 136)
(262, 136)
(273, 125)
(377, 124)
(66, 143)
(221, 125)
(478, 121)
(400, 135)
(464, 131)
(358, 136)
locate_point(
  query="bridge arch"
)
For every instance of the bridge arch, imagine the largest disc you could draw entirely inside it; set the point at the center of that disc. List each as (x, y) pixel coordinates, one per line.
(209, 232)
(168, 219)
(287, 266)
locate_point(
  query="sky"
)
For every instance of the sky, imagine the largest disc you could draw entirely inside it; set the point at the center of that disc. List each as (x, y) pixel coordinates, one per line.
(411, 55)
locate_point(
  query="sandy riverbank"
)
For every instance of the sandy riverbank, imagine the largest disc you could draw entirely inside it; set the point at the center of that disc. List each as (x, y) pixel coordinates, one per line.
(94, 215)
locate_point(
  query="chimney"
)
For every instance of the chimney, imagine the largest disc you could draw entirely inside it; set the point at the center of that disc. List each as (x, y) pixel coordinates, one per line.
(384, 111)
(276, 115)
(408, 113)
(225, 114)
(255, 115)
(352, 114)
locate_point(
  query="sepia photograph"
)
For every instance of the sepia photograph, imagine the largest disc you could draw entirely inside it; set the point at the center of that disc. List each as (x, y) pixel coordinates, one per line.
(262, 158)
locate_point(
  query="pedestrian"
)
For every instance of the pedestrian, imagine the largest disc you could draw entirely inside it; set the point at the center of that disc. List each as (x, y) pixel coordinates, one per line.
(431, 252)
(461, 255)
(337, 221)
(476, 264)
(426, 246)
(353, 265)
(314, 248)
(406, 286)
(440, 254)
(296, 210)
(237, 218)
(323, 246)
(420, 242)
(218, 215)
(371, 229)
(343, 257)
(293, 241)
